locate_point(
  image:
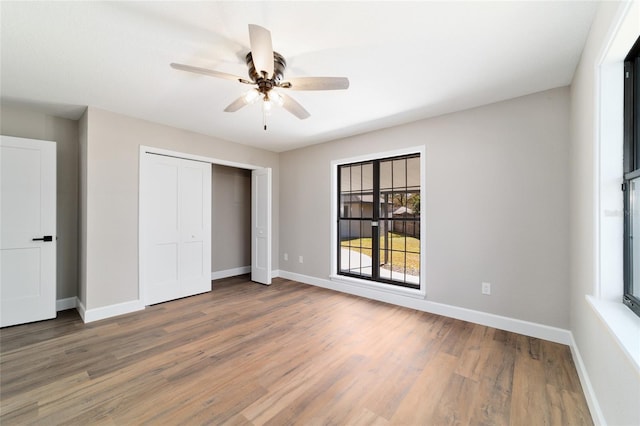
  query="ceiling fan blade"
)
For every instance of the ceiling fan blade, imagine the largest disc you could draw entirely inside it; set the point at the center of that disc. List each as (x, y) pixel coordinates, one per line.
(316, 83)
(294, 107)
(261, 49)
(236, 105)
(209, 72)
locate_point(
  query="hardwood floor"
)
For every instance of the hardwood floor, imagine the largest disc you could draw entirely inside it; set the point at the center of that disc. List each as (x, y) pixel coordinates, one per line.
(247, 354)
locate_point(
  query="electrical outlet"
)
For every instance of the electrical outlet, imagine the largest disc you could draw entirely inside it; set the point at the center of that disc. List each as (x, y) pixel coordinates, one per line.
(286, 256)
(486, 288)
(300, 259)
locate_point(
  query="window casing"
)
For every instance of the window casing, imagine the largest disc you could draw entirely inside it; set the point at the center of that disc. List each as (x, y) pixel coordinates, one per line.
(378, 215)
(631, 184)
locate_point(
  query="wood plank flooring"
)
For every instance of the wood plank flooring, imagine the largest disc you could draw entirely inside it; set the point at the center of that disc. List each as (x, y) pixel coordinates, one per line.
(247, 354)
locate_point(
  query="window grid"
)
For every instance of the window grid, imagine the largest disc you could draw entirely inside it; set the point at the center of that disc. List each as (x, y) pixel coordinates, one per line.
(382, 193)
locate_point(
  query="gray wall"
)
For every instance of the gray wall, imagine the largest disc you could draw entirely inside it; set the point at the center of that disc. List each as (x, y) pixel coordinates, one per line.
(231, 218)
(111, 207)
(22, 122)
(496, 205)
(614, 379)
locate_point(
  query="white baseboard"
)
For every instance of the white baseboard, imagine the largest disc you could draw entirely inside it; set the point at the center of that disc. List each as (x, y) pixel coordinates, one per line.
(81, 309)
(90, 315)
(587, 388)
(275, 273)
(95, 314)
(526, 328)
(68, 303)
(230, 272)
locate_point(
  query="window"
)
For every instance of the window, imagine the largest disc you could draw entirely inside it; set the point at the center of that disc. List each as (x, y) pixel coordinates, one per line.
(631, 185)
(379, 220)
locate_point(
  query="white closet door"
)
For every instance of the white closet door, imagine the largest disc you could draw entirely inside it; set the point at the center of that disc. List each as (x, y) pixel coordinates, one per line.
(175, 224)
(261, 226)
(28, 230)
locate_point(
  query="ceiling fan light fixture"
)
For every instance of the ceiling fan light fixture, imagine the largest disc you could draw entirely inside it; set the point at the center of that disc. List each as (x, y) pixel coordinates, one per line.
(276, 98)
(251, 96)
(267, 105)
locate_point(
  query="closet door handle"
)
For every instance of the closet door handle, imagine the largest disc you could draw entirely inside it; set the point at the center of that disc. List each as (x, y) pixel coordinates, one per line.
(46, 238)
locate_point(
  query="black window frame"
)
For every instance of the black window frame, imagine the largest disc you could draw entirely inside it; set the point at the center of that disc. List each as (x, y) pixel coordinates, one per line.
(631, 166)
(376, 217)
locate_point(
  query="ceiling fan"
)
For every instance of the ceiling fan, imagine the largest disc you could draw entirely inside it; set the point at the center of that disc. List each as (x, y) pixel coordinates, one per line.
(266, 72)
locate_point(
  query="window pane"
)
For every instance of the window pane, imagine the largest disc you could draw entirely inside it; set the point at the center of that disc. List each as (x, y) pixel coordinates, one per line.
(413, 236)
(356, 206)
(399, 204)
(367, 206)
(414, 203)
(356, 178)
(386, 208)
(399, 173)
(345, 209)
(349, 230)
(413, 172)
(345, 179)
(355, 247)
(385, 175)
(367, 177)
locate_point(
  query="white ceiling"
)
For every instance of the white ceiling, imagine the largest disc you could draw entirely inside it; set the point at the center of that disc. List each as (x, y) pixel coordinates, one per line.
(405, 60)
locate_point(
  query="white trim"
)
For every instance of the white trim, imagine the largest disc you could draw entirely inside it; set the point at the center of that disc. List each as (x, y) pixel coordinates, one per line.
(540, 331)
(275, 273)
(231, 272)
(68, 303)
(587, 388)
(142, 257)
(81, 309)
(607, 199)
(420, 149)
(387, 288)
(378, 155)
(103, 312)
(607, 166)
(160, 151)
(623, 325)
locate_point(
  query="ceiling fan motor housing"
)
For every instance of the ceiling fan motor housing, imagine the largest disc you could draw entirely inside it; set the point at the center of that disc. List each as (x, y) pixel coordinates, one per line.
(265, 83)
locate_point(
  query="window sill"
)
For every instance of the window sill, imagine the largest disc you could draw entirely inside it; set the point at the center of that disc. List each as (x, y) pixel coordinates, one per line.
(623, 324)
(372, 285)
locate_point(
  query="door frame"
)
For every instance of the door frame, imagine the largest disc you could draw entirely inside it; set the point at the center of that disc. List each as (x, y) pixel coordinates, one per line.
(160, 151)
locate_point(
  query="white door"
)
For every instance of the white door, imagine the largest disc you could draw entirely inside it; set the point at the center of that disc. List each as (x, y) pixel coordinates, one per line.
(28, 230)
(175, 226)
(261, 226)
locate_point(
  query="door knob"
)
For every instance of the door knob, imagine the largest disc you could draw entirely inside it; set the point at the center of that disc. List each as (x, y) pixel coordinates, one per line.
(45, 238)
